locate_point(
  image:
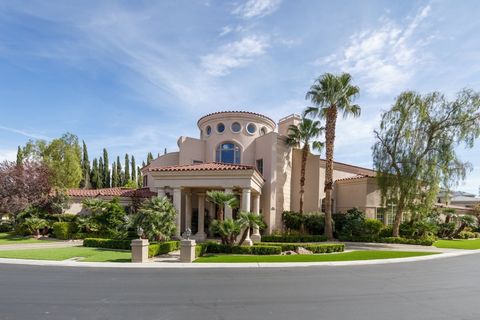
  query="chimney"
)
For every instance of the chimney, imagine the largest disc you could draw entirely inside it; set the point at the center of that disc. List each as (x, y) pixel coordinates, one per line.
(286, 122)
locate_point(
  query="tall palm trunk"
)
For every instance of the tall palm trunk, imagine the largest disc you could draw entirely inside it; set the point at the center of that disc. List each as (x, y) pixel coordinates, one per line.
(330, 142)
(302, 175)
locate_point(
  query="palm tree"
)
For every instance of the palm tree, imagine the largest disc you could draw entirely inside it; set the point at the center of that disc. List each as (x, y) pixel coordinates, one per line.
(248, 221)
(331, 94)
(303, 134)
(228, 230)
(222, 199)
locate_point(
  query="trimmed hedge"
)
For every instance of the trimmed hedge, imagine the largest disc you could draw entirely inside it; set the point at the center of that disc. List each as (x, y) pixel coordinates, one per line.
(294, 238)
(64, 230)
(6, 227)
(212, 247)
(155, 249)
(399, 240)
(107, 243)
(200, 250)
(314, 247)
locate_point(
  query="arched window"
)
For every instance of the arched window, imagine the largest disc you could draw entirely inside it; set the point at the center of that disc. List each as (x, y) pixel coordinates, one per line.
(228, 152)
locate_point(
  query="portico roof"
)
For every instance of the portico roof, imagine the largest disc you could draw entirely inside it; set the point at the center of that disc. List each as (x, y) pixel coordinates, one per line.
(210, 166)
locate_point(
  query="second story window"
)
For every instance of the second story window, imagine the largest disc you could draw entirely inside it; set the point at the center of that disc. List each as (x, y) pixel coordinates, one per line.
(228, 152)
(260, 166)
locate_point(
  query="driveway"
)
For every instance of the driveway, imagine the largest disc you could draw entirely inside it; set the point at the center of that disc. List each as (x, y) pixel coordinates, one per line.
(443, 289)
(41, 245)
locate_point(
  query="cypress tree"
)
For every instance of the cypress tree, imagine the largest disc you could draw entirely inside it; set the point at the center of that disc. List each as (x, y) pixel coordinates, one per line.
(149, 158)
(127, 168)
(139, 178)
(101, 170)
(165, 151)
(19, 156)
(114, 175)
(134, 167)
(85, 182)
(96, 177)
(119, 173)
(106, 169)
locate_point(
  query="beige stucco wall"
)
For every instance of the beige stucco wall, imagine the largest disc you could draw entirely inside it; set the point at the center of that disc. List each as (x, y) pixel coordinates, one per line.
(76, 206)
(169, 159)
(191, 150)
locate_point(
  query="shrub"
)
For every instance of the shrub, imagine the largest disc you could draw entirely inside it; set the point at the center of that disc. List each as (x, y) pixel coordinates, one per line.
(372, 228)
(6, 227)
(314, 247)
(212, 247)
(386, 232)
(421, 242)
(467, 235)
(64, 230)
(200, 250)
(155, 249)
(107, 243)
(418, 229)
(294, 238)
(157, 219)
(63, 217)
(314, 223)
(339, 220)
(292, 220)
(353, 224)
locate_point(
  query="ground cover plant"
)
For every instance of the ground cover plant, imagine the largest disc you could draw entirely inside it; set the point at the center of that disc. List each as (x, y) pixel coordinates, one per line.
(59, 254)
(345, 256)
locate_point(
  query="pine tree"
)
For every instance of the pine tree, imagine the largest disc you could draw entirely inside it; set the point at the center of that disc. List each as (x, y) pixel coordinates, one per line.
(19, 156)
(139, 178)
(127, 168)
(149, 158)
(85, 182)
(134, 167)
(119, 173)
(114, 175)
(101, 170)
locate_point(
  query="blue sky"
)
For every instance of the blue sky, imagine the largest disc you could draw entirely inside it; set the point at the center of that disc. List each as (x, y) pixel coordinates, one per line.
(133, 76)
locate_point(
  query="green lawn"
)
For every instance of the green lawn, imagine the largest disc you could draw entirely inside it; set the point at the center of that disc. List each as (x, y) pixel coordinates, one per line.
(9, 238)
(58, 254)
(345, 256)
(458, 244)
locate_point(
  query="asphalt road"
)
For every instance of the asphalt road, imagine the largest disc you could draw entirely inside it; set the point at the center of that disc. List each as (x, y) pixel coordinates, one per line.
(436, 289)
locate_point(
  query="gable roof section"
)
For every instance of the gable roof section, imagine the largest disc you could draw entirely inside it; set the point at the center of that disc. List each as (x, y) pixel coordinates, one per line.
(111, 192)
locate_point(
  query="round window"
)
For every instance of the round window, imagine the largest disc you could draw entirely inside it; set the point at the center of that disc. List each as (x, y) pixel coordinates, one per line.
(236, 127)
(208, 130)
(251, 128)
(220, 127)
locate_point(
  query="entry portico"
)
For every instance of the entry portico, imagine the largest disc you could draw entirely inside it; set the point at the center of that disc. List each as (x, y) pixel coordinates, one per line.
(187, 185)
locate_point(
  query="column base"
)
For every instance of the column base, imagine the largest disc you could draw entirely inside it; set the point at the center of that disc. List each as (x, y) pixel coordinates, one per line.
(247, 242)
(200, 236)
(256, 237)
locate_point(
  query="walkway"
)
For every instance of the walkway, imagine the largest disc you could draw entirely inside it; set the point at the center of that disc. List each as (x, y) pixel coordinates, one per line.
(350, 246)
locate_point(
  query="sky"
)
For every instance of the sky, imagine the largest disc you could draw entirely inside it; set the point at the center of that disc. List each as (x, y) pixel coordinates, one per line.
(133, 76)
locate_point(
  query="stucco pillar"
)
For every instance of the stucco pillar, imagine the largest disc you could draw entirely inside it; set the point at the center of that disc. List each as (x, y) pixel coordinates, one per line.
(188, 210)
(177, 203)
(256, 237)
(161, 192)
(228, 210)
(246, 192)
(201, 217)
(139, 250)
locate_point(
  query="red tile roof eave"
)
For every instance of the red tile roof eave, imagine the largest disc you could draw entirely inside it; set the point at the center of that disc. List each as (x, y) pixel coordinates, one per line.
(204, 167)
(363, 176)
(236, 112)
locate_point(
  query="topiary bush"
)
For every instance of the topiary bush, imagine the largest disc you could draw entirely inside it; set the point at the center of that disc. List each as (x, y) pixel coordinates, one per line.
(64, 230)
(294, 238)
(107, 243)
(155, 249)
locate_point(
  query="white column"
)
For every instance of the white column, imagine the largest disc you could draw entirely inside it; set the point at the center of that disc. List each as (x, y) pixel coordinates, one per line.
(188, 210)
(177, 203)
(256, 237)
(246, 192)
(201, 217)
(161, 192)
(228, 211)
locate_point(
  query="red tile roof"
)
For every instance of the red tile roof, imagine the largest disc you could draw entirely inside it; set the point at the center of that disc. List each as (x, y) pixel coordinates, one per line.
(238, 112)
(111, 192)
(211, 166)
(358, 176)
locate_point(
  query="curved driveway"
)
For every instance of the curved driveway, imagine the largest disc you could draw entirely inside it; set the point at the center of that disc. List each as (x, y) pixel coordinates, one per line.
(436, 289)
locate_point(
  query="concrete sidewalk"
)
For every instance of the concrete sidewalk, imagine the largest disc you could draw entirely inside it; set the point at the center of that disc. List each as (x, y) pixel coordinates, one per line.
(40, 245)
(349, 246)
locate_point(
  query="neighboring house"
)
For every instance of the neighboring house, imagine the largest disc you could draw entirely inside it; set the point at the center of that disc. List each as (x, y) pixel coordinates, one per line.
(245, 153)
(462, 202)
(126, 197)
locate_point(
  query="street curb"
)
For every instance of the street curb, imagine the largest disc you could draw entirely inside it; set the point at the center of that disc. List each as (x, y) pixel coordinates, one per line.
(175, 265)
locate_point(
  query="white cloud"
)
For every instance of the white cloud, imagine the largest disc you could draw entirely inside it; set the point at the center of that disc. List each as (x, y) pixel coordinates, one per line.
(234, 55)
(25, 133)
(9, 155)
(385, 58)
(225, 30)
(256, 8)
